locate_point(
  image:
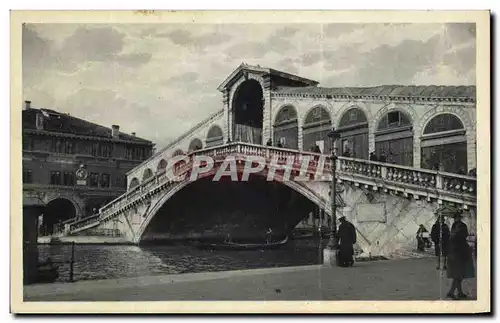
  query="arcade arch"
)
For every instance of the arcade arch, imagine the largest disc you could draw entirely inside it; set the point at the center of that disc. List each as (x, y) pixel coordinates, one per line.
(214, 136)
(353, 130)
(286, 128)
(394, 138)
(195, 144)
(444, 144)
(317, 125)
(248, 112)
(56, 211)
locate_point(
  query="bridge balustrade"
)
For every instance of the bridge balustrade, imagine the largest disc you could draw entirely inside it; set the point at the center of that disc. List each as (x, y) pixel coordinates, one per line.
(371, 170)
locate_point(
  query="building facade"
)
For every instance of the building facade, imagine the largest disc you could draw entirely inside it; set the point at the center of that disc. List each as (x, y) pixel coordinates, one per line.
(75, 166)
(431, 127)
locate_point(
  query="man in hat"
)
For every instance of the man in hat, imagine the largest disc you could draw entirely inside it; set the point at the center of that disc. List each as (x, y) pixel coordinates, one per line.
(347, 239)
(440, 235)
(460, 263)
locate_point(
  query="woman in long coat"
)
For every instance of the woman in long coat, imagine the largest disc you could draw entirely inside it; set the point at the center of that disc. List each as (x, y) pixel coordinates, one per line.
(460, 263)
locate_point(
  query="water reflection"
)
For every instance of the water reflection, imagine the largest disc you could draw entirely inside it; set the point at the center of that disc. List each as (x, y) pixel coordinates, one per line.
(101, 261)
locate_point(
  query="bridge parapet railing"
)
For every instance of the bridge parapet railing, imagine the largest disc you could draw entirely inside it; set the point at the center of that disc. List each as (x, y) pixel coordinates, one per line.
(426, 179)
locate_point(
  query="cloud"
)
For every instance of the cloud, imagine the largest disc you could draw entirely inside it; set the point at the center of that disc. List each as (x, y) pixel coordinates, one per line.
(93, 44)
(201, 42)
(134, 59)
(184, 78)
(286, 32)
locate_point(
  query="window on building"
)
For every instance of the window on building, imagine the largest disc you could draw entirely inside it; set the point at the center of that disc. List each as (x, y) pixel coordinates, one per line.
(105, 180)
(28, 143)
(94, 179)
(105, 150)
(68, 179)
(69, 147)
(95, 149)
(55, 178)
(27, 176)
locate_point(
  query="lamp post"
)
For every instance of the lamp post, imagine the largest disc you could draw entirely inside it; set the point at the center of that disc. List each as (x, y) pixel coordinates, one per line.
(330, 252)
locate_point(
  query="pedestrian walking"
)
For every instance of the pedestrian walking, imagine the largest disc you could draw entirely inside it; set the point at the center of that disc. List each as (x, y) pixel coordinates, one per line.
(347, 239)
(460, 263)
(440, 235)
(422, 238)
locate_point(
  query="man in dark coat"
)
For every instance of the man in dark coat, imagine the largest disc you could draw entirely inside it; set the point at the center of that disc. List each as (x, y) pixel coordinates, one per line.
(347, 239)
(460, 263)
(440, 235)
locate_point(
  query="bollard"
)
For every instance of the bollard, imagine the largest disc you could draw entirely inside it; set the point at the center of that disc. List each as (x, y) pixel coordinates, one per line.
(72, 261)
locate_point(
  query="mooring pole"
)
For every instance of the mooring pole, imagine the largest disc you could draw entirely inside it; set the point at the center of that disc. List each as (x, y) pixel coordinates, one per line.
(72, 262)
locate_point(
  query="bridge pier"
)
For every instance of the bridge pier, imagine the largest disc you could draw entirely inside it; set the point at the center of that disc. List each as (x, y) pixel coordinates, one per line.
(330, 257)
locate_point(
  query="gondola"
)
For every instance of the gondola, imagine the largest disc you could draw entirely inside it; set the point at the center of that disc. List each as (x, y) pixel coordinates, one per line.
(240, 246)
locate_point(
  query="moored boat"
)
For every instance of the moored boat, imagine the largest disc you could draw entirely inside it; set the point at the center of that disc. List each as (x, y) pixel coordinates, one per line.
(241, 246)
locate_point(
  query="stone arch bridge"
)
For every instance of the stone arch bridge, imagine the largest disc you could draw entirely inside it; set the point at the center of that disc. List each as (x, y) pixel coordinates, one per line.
(386, 202)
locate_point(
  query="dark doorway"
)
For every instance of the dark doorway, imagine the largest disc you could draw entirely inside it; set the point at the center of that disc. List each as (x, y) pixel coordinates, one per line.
(248, 110)
(56, 211)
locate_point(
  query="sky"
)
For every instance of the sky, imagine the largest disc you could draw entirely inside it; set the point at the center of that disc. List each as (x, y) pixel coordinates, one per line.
(159, 80)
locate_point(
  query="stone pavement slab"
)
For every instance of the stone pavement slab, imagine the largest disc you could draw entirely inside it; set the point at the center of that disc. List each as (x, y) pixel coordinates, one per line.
(410, 279)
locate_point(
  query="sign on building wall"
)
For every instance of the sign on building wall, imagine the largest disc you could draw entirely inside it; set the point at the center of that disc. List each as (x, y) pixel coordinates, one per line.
(371, 212)
(81, 176)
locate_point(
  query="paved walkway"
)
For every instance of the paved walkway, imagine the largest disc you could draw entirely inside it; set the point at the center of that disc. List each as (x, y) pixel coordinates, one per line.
(411, 279)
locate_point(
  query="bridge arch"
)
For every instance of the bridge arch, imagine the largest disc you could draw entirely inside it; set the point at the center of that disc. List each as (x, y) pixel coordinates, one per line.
(286, 127)
(394, 137)
(298, 187)
(248, 112)
(195, 144)
(317, 125)
(353, 129)
(444, 144)
(133, 183)
(214, 136)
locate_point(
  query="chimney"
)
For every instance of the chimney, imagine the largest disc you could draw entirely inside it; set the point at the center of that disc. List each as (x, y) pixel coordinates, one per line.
(115, 131)
(27, 105)
(133, 134)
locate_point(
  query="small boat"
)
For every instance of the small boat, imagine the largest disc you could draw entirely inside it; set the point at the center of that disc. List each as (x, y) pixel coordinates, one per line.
(240, 246)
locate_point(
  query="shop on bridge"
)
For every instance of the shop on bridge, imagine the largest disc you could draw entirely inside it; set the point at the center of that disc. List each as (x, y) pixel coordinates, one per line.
(444, 144)
(394, 138)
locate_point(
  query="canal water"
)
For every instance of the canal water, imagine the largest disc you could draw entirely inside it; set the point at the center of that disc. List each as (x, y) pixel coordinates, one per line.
(108, 261)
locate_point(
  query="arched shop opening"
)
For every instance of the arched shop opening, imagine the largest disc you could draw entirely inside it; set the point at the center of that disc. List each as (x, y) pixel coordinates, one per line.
(394, 138)
(317, 125)
(353, 129)
(147, 174)
(444, 144)
(162, 165)
(214, 136)
(195, 144)
(286, 128)
(247, 107)
(133, 183)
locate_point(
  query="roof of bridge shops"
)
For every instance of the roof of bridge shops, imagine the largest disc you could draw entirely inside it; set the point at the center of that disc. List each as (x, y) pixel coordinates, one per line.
(57, 122)
(308, 86)
(427, 91)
